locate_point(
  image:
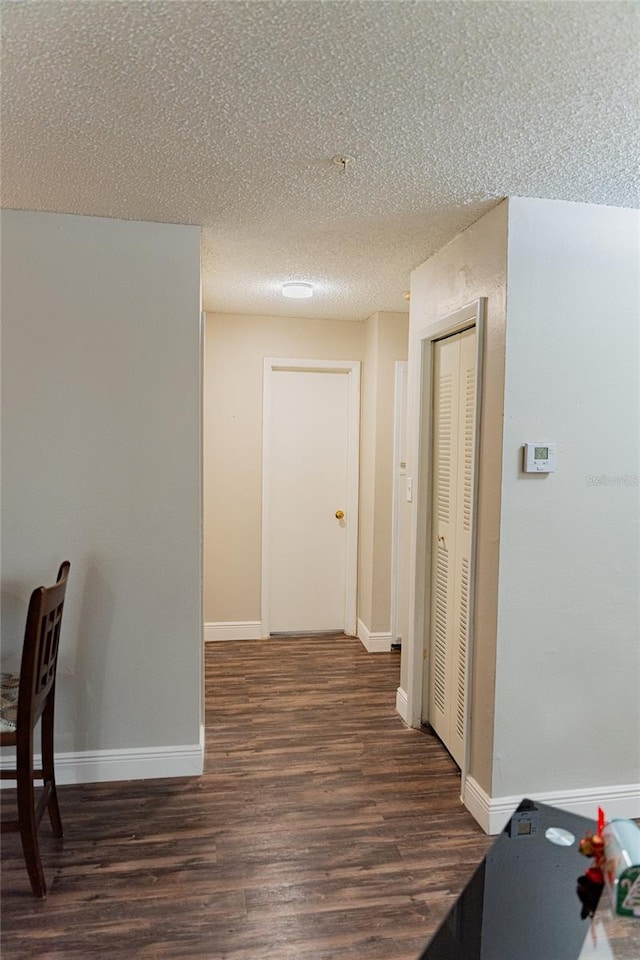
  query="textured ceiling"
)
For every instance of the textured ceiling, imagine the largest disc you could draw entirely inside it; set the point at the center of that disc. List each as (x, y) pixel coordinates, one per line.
(227, 114)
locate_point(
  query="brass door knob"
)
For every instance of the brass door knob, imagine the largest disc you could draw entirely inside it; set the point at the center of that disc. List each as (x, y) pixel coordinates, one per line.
(339, 514)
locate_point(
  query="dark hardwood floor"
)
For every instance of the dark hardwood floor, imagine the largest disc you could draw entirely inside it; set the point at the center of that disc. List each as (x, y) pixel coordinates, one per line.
(322, 828)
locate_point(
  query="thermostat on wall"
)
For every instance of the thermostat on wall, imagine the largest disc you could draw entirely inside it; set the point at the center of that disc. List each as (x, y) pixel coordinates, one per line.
(539, 457)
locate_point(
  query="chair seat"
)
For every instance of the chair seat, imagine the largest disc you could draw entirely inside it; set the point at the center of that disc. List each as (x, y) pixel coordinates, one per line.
(9, 686)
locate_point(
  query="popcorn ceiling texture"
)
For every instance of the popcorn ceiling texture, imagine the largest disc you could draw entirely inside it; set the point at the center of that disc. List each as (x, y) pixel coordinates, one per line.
(227, 114)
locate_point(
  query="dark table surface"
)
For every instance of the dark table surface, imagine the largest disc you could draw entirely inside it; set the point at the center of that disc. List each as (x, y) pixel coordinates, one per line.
(522, 901)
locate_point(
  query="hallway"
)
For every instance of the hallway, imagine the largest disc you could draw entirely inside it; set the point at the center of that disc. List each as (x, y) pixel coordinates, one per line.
(322, 828)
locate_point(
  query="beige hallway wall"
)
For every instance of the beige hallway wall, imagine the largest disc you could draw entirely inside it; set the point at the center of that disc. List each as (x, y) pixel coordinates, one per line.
(386, 340)
(473, 265)
(235, 346)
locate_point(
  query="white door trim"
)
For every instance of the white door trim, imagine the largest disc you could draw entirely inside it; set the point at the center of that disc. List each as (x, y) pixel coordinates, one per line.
(399, 477)
(351, 368)
(472, 315)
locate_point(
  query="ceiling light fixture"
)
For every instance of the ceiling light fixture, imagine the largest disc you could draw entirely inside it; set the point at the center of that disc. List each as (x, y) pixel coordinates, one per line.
(296, 290)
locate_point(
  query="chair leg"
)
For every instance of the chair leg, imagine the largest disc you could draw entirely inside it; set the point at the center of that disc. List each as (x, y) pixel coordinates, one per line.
(48, 768)
(29, 831)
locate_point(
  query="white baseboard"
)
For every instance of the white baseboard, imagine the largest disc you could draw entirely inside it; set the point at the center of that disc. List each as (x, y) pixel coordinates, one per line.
(102, 766)
(402, 705)
(233, 630)
(374, 642)
(618, 801)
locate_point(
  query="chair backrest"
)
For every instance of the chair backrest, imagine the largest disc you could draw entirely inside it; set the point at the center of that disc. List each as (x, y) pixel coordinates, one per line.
(40, 649)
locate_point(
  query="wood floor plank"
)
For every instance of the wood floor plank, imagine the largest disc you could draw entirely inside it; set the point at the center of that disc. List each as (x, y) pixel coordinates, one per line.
(322, 828)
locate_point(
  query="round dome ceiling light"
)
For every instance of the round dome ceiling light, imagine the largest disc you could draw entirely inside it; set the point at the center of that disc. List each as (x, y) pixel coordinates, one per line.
(296, 290)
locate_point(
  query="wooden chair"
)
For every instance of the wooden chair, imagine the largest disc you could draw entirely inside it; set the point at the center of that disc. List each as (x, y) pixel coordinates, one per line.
(25, 700)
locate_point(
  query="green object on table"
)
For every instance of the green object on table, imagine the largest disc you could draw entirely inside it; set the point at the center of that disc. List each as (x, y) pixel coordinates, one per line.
(622, 866)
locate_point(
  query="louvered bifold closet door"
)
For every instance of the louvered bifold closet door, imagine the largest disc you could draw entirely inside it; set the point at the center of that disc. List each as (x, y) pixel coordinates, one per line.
(454, 404)
(462, 563)
(444, 489)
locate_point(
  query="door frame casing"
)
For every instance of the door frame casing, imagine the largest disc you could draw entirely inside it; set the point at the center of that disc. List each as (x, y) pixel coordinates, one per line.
(399, 475)
(351, 369)
(471, 315)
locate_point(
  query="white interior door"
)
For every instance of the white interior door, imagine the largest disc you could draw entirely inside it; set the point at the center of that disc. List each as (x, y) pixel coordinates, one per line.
(454, 404)
(310, 496)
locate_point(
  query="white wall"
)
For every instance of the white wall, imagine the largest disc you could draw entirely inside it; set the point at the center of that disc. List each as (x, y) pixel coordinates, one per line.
(101, 415)
(568, 650)
(556, 660)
